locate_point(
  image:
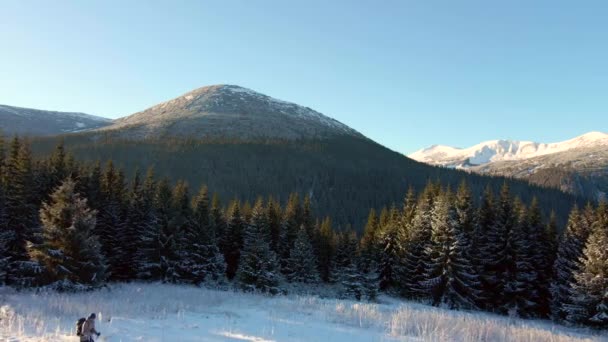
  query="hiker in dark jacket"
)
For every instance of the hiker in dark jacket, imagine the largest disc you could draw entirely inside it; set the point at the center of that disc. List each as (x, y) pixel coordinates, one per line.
(88, 329)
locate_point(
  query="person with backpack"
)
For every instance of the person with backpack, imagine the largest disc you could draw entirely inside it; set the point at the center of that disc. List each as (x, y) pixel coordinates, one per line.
(87, 329)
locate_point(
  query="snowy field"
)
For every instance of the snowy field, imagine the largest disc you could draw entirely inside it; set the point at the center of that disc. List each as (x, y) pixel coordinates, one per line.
(156, 312)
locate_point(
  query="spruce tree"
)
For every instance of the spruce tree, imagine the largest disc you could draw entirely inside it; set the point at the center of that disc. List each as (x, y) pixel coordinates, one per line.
(92, 187)
(569, 251)
(217, 220)
(111, 221)
(206, 261)
(499, 265)
(181, 225)
(326, 246)
(302, 261)
(273, 213)
(21, 212)
(485, 217)
(258, 269)
(546, 272)
(128, 235)
(541, 253)
(390, 255)
(307, 217)
(588, 303)
(56, 169)
(384, 217)
(451, 280)
(70, 253)
(418, 239)
(168, 236)
(290, 225)
(233, 239)
(142, 216)
(520, 289)
(409, 208)
(369, 244)
(345, 263)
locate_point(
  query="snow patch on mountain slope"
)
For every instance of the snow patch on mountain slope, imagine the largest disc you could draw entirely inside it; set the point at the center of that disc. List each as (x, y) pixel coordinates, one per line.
(503, 150)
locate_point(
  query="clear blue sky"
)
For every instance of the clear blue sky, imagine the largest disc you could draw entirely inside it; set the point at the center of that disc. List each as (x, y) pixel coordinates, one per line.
(407, 74)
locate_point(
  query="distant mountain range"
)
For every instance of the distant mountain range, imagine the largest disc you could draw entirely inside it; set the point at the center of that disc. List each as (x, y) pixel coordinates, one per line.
(245, 144)
(35, 122)
(578, 165)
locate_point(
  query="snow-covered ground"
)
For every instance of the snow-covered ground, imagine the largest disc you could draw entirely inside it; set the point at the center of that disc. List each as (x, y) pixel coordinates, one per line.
(157, 312)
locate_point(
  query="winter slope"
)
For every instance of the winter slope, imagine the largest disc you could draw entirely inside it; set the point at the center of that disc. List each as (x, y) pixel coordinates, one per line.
(155, 312)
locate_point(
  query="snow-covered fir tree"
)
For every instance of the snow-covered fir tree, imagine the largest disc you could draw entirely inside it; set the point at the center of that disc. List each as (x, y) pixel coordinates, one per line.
(290, 225)
(21, 210)
(258, 269)
(111, 221)
(307, 219)
(369, 247)
(273, 214)
(569, 251)
(142, 216)
(206, 262)
(356, 283)
(540, 252)
(409, 209)
(548, 253)
(168, 236)
(521, 296)
(498, 263)
(181, 225)
(325, 249)
(232, 240)
(418, 239)
(588, 296)
(128, 236)
(450, 279)
(69, 252)
(390, 257)
(302, 260)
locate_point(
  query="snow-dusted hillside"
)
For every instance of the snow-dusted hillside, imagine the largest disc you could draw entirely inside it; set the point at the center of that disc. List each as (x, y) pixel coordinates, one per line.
(228, 111)
(503, 150)
(27, 121)
(154, 312)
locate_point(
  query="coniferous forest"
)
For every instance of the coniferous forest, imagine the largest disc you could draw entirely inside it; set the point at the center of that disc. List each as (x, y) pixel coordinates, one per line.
(73, 226)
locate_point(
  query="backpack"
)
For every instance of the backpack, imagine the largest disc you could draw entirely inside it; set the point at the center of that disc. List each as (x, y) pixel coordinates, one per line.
(79, 326)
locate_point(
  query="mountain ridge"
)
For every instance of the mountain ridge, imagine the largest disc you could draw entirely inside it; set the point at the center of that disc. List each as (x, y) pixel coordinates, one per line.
(503, 150)
(33, 122)
(578, 166)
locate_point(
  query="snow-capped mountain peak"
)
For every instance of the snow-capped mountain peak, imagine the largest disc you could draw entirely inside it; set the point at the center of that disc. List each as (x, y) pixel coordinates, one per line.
(230, 111)
(503, 150)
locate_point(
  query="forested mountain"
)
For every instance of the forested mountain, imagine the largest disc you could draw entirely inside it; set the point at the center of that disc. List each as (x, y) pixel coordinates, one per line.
(35, 122)
(578, 166)
(242, 143)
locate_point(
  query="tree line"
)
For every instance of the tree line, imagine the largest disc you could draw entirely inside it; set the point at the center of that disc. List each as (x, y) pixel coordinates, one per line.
(71, 225)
